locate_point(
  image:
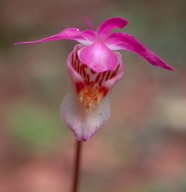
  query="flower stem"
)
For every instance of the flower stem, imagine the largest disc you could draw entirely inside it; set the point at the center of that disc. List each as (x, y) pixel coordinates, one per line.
(77, 161)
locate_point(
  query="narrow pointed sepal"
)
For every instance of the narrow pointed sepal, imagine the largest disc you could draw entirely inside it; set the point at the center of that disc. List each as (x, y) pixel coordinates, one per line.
(118, 41)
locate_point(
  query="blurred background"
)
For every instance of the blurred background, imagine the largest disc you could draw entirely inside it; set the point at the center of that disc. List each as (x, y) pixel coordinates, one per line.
(142, 146)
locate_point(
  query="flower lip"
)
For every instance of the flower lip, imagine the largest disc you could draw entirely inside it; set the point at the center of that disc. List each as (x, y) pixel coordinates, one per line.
(86, 109)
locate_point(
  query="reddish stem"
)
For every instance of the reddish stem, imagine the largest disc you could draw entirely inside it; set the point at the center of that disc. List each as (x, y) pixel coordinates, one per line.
(77, 161)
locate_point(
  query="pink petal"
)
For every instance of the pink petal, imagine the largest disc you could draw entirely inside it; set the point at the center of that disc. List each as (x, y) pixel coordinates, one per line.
(106, 26)
(84, 124)
(123, 41)
(98, 57)
(69, 33)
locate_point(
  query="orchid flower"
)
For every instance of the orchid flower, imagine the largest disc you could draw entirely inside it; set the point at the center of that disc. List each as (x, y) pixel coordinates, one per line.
(94, 68)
